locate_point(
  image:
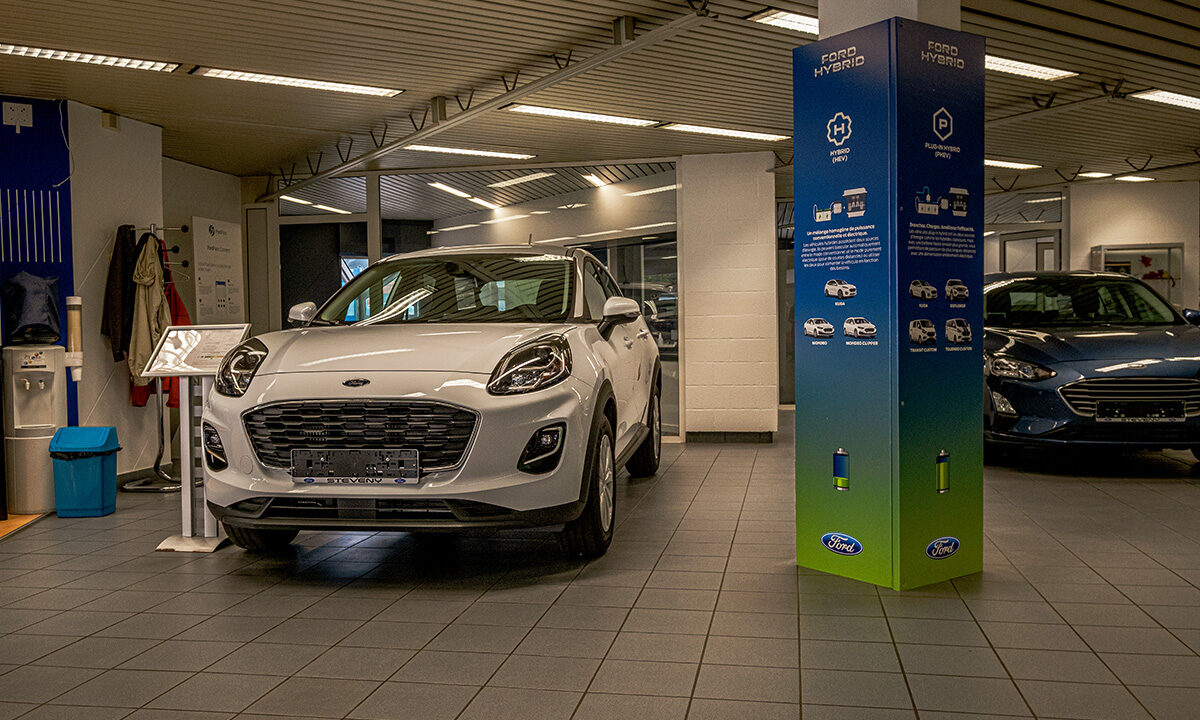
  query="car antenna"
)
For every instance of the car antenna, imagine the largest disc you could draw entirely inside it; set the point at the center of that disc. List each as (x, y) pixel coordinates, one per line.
(530, 239)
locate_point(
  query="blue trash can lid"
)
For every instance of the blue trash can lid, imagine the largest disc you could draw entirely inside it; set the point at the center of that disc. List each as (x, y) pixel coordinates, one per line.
(85, 439)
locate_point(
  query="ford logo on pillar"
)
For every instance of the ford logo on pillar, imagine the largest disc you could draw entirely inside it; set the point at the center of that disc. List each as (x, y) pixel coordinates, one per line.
(841, 543)
(942, 548)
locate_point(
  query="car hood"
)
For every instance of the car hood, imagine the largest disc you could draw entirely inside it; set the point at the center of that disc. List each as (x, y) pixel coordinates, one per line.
(435, 347)
(1179, 343)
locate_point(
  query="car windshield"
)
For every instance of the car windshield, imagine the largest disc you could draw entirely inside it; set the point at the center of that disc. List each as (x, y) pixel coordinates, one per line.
(954, 282)
(464, 288)
(1075, 301)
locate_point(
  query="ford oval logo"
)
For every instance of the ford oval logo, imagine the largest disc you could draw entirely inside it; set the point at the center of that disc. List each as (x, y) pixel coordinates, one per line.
(356, 382)
(841, 543)
(942, 548)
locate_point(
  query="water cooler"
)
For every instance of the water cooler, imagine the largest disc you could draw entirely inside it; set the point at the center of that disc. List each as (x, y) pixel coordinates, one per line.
(35, 406)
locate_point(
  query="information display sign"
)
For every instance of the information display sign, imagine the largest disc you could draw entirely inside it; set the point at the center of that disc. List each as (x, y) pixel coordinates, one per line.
(193, 349)
(889, 268)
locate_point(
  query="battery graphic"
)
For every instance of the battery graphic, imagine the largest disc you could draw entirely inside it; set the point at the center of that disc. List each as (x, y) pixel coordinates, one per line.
(841, 469)
(941, 472)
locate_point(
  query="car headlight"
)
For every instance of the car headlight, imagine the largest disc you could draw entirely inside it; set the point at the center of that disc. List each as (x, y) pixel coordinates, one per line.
(239, 366)
(535, 365)
(1006, 367)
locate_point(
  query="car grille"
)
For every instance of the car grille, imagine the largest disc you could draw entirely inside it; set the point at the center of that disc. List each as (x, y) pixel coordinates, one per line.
(384, 509)
(440, 432)
(1082, 396)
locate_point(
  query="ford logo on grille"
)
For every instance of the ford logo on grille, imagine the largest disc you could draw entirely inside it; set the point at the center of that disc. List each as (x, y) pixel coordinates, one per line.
(841, 543)
(942, 548)
(356, 382)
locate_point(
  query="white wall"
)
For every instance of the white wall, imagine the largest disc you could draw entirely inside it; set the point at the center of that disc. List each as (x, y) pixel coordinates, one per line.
(1157, 213)
(726, 234)
(187, 191)
(116, 180)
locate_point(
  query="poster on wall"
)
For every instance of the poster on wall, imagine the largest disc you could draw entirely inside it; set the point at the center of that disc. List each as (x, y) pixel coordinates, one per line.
(220, 294)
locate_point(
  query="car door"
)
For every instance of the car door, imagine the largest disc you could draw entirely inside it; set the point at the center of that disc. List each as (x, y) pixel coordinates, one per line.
(616, 351)
(645, 350)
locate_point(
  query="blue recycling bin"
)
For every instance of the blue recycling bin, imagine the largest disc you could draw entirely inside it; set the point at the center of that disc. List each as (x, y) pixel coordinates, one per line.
(85, 471)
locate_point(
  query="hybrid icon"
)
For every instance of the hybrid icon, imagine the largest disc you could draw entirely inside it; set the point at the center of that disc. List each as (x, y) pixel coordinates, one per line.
(838, 129)
(841, 543)
(942, 548)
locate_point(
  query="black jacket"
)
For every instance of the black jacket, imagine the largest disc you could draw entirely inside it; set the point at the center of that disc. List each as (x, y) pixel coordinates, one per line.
(117, 320)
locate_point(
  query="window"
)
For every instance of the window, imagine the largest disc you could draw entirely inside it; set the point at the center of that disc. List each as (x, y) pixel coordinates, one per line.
(594, 293)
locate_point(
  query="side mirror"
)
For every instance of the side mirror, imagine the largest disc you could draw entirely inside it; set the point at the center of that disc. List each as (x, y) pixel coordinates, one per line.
(1192, 316)
(618, 310)
(302, 313)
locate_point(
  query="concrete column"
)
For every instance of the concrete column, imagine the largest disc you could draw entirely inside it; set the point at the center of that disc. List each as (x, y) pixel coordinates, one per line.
(729, 329)
(839, 16)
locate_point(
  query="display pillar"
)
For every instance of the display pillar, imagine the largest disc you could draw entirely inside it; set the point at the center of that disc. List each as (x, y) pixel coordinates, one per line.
(889, 313)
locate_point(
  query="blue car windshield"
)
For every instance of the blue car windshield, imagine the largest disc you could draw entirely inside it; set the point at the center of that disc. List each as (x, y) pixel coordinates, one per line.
(1075, 301)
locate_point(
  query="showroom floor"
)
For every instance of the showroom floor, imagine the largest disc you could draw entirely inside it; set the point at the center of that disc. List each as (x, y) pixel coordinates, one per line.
(1088, 608)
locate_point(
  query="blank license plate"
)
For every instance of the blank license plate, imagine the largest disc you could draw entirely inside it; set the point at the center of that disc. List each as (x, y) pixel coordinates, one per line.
(356, 467)
(1141, 411)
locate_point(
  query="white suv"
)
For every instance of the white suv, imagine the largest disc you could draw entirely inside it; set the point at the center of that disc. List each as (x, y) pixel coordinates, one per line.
(858, 327)
(840, 289)
(446, 389)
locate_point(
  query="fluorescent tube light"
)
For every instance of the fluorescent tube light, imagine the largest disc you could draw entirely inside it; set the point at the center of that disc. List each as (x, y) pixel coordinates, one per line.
(651, 225)
(651, 191)
(87, 58)
(579, 115)
(557, 239)
(1010, 165)
(485, 203)
(1094, 175)
(596, 234)
(1025, 69)
(989, 232)
(452, 190)
(1135, 178)
(724, 132)
(457, 227)
(1056, 198)
(539, 212)
(594, 180)
(469, 151)
(297, 82)
(1169, 98)
(339, 211)
(504, 219)
(787, 20)
(296, 200)
(522, 179)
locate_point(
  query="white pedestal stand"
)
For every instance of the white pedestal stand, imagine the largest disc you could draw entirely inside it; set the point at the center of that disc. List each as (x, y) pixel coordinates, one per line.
(200, 534)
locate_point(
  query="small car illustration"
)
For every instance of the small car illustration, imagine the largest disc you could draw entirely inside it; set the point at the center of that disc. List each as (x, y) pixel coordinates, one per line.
(956, 290)
(858, 327)
(840, 289)
(958, 331)
(818, 328)
(922, 332)
(922, 290)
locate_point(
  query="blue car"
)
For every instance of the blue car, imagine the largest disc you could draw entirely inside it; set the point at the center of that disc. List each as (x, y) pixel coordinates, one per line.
(1089, 358)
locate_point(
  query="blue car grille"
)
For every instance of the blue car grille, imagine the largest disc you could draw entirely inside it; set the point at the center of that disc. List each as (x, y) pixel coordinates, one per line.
(1083, 396)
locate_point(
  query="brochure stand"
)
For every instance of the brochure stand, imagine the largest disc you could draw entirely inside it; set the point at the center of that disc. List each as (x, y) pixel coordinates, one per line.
(193, 353)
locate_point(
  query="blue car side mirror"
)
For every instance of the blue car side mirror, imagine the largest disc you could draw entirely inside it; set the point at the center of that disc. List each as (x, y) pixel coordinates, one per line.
(1192, 316)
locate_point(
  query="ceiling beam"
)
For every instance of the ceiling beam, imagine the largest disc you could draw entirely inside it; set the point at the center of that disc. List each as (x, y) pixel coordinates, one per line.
(676, 26)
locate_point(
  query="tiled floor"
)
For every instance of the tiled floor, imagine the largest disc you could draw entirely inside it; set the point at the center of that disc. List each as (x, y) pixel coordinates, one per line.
(1089, 608)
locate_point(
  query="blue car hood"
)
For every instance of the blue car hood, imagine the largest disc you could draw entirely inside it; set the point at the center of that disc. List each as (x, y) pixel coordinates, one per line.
(1172, 345)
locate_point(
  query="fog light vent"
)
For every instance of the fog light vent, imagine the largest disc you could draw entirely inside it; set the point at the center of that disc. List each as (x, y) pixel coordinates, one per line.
(544, 449)
(214, 451)
(1003, 406)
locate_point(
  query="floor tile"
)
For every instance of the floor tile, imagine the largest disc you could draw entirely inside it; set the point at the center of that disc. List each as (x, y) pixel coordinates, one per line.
(123, 688)
(634, 677)
(414, 701)
(599, 706)
(39, 684)
(455, 668)
(356, 663)
(1078, 700)
(658, 647)
(1169, 703)
(557, 642)
(545, 673)
(97, 652)
(495, 703)
(737, 682)
(853, 688)
(314, 697)
(217, 692)
(966, 694)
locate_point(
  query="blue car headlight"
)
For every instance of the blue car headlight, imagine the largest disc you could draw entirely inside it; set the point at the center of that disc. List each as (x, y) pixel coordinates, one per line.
(1007, 367)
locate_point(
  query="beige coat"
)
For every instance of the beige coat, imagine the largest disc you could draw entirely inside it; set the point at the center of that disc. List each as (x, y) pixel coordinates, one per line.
(150, 313)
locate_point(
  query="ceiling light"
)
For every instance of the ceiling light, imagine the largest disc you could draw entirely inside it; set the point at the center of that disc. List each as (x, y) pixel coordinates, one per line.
(446, 188)
(458, 227)
(539, 212)
(649, 237)
(522, 179)
(468, 151)
(297, 82)
(668, 257)
(1010, 165)
(1135, 178)
(339, 211)
(651, 191)
(578, 115)
(989, 232)
(1094, 174)
(504, 219)
(790, 21)
(1056, 198)
(296, 200)
(557, 239)
(87, 58)
(652, 225)
(1169, 98)
(485, 203)
(594, 180)
(1024, 69)
(602, 232)
(724, 132)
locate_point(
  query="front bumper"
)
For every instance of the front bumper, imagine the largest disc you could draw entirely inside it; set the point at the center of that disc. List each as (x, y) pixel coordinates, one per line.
(484, 490)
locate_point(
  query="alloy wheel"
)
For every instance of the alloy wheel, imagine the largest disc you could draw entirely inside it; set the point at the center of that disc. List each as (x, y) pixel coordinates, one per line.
(606, 483)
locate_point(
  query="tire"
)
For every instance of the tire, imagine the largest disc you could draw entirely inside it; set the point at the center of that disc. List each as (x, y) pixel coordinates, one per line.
(260, 540)
(1196, 453)
(590, 534)
(644, 461)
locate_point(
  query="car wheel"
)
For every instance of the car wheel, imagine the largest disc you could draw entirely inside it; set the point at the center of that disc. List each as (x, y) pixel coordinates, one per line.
(260, 540)
(644, 462)
(591, 533)
(1196, 453)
